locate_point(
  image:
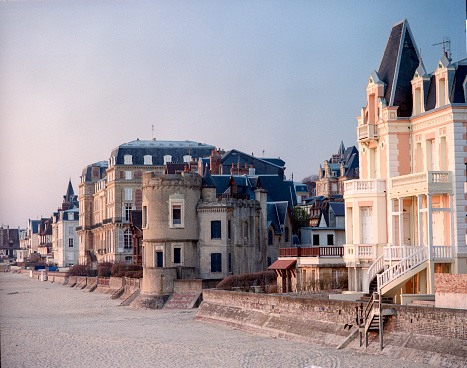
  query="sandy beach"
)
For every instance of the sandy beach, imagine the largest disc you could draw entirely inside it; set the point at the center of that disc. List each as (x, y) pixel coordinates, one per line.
(49, 325)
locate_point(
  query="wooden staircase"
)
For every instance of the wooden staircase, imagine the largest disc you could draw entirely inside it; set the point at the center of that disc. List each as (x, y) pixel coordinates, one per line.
(371, 318)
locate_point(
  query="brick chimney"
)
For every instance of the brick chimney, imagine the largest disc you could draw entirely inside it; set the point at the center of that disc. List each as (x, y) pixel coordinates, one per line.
(215, 162)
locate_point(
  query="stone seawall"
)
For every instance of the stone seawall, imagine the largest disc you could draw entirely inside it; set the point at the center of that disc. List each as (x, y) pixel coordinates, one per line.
(435, 336)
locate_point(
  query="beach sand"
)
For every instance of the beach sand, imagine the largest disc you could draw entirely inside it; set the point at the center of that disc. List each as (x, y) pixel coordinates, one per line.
(49, 325)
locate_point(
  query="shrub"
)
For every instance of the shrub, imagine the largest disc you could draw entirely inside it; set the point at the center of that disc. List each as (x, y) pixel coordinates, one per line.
(124, 270)
(78, 270)
(246, 280)
(138, 274)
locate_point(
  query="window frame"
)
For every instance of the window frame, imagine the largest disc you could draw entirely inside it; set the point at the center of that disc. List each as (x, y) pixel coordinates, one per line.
(216, 262)
(216, 229)
(181, 203)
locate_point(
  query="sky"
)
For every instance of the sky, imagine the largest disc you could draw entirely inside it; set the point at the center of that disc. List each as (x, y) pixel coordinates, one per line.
(274, 78)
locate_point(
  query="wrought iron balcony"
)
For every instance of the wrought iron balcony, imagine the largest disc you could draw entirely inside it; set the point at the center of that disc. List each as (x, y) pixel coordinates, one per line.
(311, 252)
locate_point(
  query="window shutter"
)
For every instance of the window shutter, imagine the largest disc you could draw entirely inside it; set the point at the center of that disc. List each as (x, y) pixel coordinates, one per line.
(121, 240)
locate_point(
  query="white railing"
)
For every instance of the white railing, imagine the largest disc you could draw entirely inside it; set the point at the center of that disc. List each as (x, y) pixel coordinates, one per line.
(396, 252)
(360, 251)
(427, 177)
(375, 268)
(402, 267)
(442, 252)
(365, 186)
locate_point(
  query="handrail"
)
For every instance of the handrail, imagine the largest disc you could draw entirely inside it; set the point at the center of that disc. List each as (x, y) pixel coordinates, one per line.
(402, 267)
(375, 268)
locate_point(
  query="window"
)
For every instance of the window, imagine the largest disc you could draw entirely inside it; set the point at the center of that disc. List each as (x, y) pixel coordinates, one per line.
(128, 258)
(230, 262)
(315, 239)
(177, 255)
(71, 216)
(128, 160)
(127, 239)
(216, 262)
(128, 207)
(187, 158)
(145, 217)
(128, 194)
(286, 234)
(70, 242)
(269, 261)
(330, 239)
(215, 229)
(245, 229)
(270, 237)
(148, 160)
(229, 229)
(128, 175)
(177, 214)
(167, 158)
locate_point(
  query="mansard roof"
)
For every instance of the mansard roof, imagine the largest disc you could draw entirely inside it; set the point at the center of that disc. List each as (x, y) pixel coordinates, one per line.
(457, 92)
(158, 149)
(101, 165)
(397, 67)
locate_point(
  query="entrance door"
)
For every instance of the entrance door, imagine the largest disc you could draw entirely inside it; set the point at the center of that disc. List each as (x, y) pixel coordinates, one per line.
(366, 225)
(406, 224)
(438, 227)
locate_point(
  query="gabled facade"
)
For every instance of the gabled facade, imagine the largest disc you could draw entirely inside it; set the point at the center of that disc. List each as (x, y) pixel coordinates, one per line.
(406, 215)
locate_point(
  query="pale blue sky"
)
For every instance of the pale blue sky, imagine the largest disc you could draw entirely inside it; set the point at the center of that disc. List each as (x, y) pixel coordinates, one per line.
(288, 77)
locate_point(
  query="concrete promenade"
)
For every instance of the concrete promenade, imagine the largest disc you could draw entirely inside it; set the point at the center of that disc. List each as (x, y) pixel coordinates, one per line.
(48, 325)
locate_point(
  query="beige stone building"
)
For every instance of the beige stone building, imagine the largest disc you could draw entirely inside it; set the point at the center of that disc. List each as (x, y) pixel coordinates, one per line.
(191, 232)
(110, 190)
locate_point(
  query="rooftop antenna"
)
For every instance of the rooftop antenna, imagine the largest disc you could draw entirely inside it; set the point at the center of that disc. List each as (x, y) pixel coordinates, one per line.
(152, 132)
(263, 153)
(446, 47)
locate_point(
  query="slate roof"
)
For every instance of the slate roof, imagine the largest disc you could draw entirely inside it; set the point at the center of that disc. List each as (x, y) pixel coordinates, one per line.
(102, 165)
(278, 189)
(457, 93)
(397, 67)
(35, 224)
(158, 149)
(262, 166)
(208, 181)
(276, 215)
(338, 208)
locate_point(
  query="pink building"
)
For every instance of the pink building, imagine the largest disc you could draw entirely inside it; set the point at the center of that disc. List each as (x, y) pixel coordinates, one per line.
(406, 215)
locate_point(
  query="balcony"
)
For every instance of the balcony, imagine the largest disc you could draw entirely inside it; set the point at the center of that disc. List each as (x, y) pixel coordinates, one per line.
(364, 186)
(367, 133)
(428, 182)
(311, 252)
(360, 252)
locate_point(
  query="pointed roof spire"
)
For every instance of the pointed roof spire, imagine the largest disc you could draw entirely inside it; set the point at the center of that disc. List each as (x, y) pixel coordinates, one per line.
(341, 150)
(69, 192)
(397, 67)
(208, 180)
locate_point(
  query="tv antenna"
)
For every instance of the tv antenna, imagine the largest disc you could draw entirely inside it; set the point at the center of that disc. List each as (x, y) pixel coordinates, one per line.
(446, 47)
(152, 128)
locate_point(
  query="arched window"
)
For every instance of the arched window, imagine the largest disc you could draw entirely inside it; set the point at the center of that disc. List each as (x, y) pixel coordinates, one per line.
(286, 234)
(270, 237)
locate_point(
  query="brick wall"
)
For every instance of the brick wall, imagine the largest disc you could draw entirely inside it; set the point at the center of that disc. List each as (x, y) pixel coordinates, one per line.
(449, 323)
(450, 283)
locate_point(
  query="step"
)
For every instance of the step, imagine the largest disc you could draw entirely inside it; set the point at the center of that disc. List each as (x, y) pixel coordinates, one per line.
(182, 300)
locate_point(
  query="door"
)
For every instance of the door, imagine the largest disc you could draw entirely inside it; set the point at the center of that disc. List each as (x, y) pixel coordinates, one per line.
(366, 225)
(407, 230)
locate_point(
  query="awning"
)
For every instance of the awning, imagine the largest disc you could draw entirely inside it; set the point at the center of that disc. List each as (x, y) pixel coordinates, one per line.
(282, 264)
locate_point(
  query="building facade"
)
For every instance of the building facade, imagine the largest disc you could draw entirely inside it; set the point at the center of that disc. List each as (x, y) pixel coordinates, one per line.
(406, 215)
(109, 191)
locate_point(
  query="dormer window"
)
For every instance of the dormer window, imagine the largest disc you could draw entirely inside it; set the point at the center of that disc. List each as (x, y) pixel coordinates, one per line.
(71, 216)
(417, 104)
(187, 158)
(148, 160)
(128, 160)
(167, 158)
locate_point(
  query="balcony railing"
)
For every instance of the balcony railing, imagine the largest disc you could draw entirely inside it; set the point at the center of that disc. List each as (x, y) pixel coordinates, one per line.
(365, 186)
(367, 132)
(424, 182)
(396, 253)
(311, 252)
(360, 252)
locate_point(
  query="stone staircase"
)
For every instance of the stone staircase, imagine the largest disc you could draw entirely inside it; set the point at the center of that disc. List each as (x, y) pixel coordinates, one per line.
(183, 300)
